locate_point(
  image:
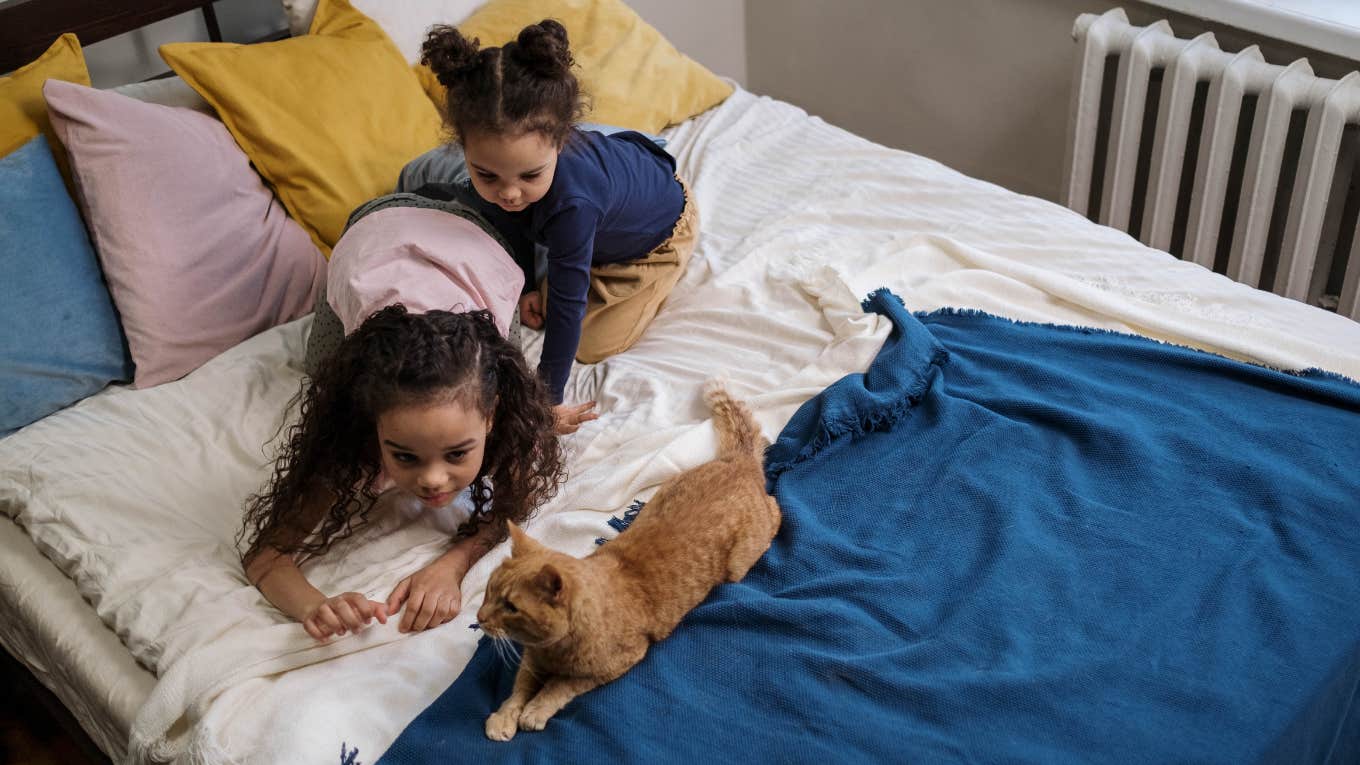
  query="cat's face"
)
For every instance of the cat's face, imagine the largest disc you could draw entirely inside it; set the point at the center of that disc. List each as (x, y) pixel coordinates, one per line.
(527, 596)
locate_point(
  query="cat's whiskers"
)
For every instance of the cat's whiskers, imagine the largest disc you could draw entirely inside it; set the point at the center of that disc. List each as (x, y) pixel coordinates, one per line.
(514, 651)
(506, 650)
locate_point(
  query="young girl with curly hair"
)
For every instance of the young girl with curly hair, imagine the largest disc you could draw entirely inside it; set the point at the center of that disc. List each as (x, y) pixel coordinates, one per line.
(618, 224)
(429, 404)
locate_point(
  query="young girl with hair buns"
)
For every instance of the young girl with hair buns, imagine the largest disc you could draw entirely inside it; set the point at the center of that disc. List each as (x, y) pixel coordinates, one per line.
(619, 226)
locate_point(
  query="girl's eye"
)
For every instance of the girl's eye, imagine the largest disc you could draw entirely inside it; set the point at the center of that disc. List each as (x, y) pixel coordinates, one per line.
(530, 176)
(486, 177)
(404, 457)
(455, 456)
(510, 607)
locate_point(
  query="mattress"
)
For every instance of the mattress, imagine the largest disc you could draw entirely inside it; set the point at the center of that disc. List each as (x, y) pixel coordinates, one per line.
(136, 496)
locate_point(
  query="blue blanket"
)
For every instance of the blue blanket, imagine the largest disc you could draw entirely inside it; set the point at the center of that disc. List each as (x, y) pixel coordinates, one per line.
(1009, 542)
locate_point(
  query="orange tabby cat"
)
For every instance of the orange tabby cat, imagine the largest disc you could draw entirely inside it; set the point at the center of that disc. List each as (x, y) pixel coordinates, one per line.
(584, 622)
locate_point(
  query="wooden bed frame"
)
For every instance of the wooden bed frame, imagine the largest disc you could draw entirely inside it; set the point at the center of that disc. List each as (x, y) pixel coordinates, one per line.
(28, 27)
(25, 692)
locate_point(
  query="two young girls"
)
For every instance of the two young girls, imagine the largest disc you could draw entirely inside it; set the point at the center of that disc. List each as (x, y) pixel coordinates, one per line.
(432, 404)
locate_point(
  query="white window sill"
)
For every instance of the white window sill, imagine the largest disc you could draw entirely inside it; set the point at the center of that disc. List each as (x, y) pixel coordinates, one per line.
(1331, 26)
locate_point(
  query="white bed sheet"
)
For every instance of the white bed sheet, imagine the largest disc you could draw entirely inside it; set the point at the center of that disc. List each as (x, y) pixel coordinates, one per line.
(136, 495)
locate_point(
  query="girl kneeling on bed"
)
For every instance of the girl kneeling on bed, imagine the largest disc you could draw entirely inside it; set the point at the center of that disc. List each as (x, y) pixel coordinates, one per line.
(618, 224)
(428, 404)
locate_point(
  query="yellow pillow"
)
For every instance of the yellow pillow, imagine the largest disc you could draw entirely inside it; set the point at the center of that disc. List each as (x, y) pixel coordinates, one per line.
(634, 77)
(430, 84)
(328, 118)
(23, 112)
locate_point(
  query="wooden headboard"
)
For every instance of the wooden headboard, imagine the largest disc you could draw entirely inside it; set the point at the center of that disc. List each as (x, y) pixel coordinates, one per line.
(28, 27)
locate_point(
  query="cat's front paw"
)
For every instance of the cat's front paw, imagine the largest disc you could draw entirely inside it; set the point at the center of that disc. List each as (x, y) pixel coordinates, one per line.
(534, 717)
(501, 726)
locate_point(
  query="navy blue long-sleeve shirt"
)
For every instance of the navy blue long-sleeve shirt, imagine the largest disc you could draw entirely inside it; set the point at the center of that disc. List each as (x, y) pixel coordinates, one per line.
(613, 198)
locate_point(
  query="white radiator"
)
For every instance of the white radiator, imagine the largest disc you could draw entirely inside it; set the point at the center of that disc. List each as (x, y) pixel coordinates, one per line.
(1220, 158)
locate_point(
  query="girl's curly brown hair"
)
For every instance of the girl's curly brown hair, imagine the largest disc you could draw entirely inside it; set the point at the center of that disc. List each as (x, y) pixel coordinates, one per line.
(399, 358)
(526, 85)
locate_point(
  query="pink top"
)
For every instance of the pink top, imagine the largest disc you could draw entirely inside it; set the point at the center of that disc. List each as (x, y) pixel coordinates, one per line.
(426, 259)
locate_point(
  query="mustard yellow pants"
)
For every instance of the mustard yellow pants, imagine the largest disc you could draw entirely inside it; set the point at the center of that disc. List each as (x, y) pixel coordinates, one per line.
(625, 297)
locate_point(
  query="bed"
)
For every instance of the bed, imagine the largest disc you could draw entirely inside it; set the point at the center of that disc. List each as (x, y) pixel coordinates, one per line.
(120, 588)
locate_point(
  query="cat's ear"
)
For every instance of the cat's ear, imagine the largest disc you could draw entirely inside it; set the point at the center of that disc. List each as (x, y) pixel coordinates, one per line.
(549, 579)
(520, 543)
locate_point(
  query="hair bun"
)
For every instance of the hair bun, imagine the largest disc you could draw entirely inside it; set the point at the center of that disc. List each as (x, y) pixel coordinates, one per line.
(449, 54)
(543, 50)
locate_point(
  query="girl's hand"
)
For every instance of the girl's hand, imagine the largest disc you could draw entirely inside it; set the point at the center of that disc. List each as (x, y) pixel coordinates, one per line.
(568, 419)
(432, 595)
(531, 310)
(339, 614)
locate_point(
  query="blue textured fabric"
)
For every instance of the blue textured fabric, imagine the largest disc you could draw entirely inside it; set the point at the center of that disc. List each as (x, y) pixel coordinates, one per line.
(60, 339)
(1009, 542)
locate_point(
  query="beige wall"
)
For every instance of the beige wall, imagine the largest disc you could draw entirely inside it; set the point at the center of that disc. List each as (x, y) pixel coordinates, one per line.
(712, 32)
(980, 85)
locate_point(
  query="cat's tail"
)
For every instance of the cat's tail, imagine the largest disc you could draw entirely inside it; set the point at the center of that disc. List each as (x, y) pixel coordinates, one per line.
(738, 433)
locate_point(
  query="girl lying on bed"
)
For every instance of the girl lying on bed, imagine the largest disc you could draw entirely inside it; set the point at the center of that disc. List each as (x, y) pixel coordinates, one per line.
(425, 402)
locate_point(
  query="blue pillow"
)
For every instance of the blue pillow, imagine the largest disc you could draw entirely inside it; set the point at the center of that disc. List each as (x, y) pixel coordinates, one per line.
(60, 340)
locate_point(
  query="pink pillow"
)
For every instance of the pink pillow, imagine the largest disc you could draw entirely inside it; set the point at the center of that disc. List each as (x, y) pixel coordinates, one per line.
(198, 253)
(425, 259)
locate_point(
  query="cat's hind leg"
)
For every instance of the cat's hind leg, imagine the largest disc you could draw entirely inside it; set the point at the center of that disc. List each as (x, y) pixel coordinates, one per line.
(755, 541)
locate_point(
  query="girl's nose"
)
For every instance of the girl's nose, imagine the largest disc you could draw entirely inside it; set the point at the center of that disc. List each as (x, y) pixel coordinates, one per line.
(431, 479)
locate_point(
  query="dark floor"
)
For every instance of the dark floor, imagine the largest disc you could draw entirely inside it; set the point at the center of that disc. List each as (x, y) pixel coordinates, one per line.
(32, 730)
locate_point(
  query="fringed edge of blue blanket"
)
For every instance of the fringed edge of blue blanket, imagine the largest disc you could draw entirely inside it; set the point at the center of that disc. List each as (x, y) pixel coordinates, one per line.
(910, 360)
(1305, 373)
(910, 348)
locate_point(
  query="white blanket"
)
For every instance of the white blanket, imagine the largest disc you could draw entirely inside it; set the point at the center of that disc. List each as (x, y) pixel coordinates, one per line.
(137, 495)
